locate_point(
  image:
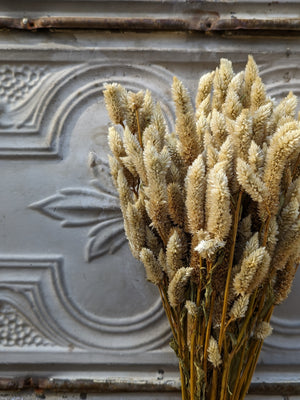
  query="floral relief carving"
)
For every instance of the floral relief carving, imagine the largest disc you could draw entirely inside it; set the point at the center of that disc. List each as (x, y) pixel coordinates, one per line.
(97, 206)
(16, 331)
(16, 81)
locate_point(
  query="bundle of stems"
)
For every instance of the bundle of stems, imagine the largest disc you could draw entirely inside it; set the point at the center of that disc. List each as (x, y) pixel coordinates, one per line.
(212, 211)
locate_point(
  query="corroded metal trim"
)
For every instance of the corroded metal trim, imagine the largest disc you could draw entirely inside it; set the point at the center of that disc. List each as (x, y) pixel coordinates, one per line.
(200, 22)
(130, 386)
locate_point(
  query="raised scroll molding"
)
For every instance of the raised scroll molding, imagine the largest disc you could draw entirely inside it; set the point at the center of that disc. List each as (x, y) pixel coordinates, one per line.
(40, 119)
(36, 287)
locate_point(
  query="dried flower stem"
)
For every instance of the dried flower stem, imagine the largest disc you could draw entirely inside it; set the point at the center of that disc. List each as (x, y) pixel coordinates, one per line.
(208, 332)
(168, 311)
(230, 264)
(193, 337)
(192, 367)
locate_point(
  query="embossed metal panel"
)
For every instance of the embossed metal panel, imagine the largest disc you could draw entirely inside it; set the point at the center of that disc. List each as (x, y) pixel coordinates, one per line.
(73, 302)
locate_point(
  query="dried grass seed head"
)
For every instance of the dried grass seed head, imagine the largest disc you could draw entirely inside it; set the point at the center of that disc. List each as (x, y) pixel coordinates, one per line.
(185, 123)
(263, 330)
(152, 266)
(114, 97)
(195, 184)
(178, 286)
(213, 352)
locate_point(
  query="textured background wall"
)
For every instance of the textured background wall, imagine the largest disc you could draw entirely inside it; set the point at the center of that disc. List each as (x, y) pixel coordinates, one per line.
(74, 304)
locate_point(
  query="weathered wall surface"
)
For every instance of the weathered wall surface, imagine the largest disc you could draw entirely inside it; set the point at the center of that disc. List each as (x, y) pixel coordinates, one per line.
(74, 304)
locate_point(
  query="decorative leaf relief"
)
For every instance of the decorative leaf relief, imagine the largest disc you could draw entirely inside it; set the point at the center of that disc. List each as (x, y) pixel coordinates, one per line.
(106, 237)
(78, 207)
(16, 330)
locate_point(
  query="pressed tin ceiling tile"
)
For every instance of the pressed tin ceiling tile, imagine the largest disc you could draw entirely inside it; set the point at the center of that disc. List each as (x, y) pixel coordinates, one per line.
(74, 303)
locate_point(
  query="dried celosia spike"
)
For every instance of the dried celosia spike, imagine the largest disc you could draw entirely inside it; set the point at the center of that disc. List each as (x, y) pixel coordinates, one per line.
(245, 227)
(251, 73)
(213, 352)
(195, 258)
(178, 285)
(114, 169)
(253, 271)
(283, 144)
(116, 143)
(287, 245)
(218, 127)
(129, 165)
(204, 87)
(255, 157)
(152, 137)
(152, 241)
(204, 107)
(134, 104)
(261, 119)
(273, 232)
(257, 95)
(240, 307)
(135, 100)
(289, 215)
(237, 83)
(287, 178)
(114, 96)
(225, 157)
(192, 309)
(153, 269)
(207, 246)
(283, 282)
(293, 191)
(162, 261)
(263, 330)
(222, 78)
(175, 252)
(250, 181)
(185, 123)
(174, 175)
(158, 121)
(201, 128)
(242, 134)
(156, 165)
(135, 152)
(176, 204)
(195, 195)
(232, 106)
(286, 108)
(218, 203)
(211, 151)
(261, 273)
(136, 223)
(124, 191)
(146, 112)
(251, 245)
(172, 144)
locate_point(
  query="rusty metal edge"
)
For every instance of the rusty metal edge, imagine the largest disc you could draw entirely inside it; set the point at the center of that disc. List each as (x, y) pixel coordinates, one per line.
(202, 22)
(42, 385)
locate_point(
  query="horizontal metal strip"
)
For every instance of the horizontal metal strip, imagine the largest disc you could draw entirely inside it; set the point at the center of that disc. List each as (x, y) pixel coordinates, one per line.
(203, 22)
(131, 386)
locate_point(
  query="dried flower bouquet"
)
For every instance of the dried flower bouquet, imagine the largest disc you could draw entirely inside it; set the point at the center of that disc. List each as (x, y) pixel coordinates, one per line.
(212, 211)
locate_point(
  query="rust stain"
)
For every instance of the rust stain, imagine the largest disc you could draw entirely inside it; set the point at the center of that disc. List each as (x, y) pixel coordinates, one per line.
(40, 385)
(83, 386)
(200, 22)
